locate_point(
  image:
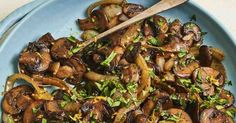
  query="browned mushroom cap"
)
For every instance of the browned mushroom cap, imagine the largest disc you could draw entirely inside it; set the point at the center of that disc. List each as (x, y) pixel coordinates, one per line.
(206, 78)
(149, 28)
(192, 28)
(161, 23)
(98, 110)
(52, 106)
(78, 69)
(36, 58)
(193, 109)
(136, 116)
(227, 95)
(17, 99)
(61, 48)
(178, 114)
(176, 45)
(30, 116)
(47, 39)
(130, 73)
(205, 56)
(185, 67)
(158, 100)
(87, 24)
(100, 20)
(112, 11)
(214, 116)
(175, 28)
(132, 10)
(132, 52)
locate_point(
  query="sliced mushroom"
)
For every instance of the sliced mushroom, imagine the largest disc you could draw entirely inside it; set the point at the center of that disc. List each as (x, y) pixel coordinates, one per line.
(101, 20)
(217, 65)
(132, 10)
(160, 61)
(64, 72)
(175, 28)
(17, 99)
(217, 53)
(180, 116)
(158, 100)
(205, 56)
(35, 59)
(52, 107)
(227, 95)
(192, 28)
(87, 24)
(32, 116)
(149, 28)
(79, 70)
(99, 110)
(185, 67)
(206, 77)
(214, 116)
(130, 73)
(161, 23)
(47, 39)
(61, 48)
(132, 52)
(175, 45)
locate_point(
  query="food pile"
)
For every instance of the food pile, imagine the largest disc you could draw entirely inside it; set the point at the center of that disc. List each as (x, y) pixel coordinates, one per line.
(154, 71)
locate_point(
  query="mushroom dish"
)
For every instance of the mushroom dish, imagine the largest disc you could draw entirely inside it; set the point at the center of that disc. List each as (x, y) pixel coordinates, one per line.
(154, 71)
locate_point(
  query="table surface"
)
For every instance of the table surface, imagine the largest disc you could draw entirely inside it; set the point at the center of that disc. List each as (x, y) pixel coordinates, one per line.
(224, 11)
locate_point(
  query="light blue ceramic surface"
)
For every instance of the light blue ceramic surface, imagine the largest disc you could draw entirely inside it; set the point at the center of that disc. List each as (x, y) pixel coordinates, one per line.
(59, 17)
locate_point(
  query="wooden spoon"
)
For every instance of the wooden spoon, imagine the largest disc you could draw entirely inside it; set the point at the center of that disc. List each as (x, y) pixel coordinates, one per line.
(157, 8)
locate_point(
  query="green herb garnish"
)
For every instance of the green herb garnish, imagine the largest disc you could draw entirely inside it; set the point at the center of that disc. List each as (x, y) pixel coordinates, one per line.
(109, 59)
(72, 39)
(35, 110)
(138, 38)
(44, 120)
(154, 41)
(182, 53)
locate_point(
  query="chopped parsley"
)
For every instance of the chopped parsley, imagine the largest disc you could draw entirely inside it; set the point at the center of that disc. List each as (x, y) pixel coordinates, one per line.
(107, 61)
(213, 101)
(44, 120)
(171, 117)
(131, 47)
(72, 39)
(160, 22)
(35, 110)
(193, 18)
(182, 53)
(138, 38)
(229, 83)
(231, 112)
(152, 73)
(199, 77)
(154, 41)
(75, 49)
(185, 82)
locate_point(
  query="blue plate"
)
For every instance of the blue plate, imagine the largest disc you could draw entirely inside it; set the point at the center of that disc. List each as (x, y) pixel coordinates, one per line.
(59, 17)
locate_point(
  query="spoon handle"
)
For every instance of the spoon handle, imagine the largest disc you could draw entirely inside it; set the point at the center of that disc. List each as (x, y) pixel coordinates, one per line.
(157, 8)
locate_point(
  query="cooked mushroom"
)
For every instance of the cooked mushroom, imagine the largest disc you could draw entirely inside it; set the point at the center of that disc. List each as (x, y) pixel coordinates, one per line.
(227, 95)
(158, 100)
(176, 115)
(132, 10)
(33, 111)
(205, 56)
(175, 45)
(132, 52)
(149, 28)
(206, 77)
(136, 116)
(192, 28)
(35, 59)
(161, 23)
(185, 67)
(61, 48)
(87, 24)
(130, 74)
(193, 109)
(79, 70)
(98, 110)
(17, 99)
(175, 28)
(47, 39)
(214, 116)
(101, 20)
